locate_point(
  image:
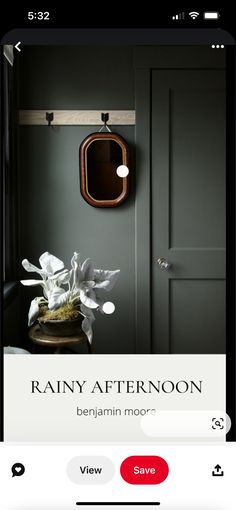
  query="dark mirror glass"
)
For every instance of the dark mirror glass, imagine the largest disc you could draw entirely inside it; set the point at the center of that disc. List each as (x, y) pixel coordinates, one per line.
(100, 156)
(103, 158)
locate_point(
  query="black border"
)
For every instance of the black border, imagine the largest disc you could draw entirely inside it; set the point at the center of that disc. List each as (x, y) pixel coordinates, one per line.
(141, 16)
(12, 20)
(230, 241)
(1, 251)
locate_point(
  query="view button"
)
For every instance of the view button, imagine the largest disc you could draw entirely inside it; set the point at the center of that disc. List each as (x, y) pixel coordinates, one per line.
(90, 470)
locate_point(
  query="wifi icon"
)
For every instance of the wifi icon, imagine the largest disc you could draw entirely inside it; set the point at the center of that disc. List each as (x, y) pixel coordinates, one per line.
(193, 14)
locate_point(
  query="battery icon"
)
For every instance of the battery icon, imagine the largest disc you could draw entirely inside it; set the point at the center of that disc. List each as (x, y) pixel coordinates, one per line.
(211, 15)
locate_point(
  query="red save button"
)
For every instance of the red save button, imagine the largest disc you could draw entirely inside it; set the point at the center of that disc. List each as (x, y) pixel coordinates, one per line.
(144, 469)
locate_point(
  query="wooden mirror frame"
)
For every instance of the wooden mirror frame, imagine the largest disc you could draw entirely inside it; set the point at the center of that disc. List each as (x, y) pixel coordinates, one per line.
(84, 184)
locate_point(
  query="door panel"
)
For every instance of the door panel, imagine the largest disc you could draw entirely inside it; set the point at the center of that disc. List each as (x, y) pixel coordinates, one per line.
(196, 177)
(188, 211)
(192, 319)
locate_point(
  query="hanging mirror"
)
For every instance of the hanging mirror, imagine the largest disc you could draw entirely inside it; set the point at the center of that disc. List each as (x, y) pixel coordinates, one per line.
(104, 169)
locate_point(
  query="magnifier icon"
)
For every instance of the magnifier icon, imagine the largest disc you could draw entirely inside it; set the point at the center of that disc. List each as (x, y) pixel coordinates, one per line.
(217, 423)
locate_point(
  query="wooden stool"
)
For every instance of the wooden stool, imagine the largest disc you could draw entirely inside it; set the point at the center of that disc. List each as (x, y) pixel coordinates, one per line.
(38, 338)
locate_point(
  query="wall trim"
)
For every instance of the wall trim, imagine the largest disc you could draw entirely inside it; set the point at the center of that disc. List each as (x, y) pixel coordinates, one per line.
(143, 214)
(76, 117)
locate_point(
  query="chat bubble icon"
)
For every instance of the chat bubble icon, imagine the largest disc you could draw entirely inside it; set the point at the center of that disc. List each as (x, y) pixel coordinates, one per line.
(18, 469)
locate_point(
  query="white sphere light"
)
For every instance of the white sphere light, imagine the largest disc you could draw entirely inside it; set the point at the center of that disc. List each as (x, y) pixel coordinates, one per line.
(122, 171)
(108, 307)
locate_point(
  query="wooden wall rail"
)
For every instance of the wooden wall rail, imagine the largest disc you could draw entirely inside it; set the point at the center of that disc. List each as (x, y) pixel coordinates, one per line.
(76, 117)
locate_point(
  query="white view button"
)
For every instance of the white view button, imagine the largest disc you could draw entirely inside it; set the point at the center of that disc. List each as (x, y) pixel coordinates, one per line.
(90, 470)
(213, 424)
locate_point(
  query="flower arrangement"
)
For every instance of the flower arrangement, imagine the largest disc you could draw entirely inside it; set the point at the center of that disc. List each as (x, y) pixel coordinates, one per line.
(68, 294)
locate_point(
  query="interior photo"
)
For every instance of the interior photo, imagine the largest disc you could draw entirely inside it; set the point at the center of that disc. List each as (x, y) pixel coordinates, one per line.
(114, 200)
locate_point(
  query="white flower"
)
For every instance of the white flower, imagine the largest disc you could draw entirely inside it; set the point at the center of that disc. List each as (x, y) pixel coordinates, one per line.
(105, 279)
(84, 286)
(76, 273)
(34, 310)
(58, 297)
(95, 279)
(49, 265)
(87, 322)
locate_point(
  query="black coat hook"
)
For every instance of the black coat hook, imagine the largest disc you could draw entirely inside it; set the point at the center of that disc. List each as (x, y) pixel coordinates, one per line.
(49, 117)
(105, 117)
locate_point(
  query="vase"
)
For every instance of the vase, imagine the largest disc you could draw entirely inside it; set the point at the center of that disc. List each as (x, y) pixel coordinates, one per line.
(61, 327)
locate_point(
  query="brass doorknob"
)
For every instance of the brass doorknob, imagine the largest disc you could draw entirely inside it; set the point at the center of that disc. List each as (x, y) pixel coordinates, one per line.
(163, 263)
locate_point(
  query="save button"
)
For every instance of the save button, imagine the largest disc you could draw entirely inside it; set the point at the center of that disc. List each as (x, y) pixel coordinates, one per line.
(144, 469)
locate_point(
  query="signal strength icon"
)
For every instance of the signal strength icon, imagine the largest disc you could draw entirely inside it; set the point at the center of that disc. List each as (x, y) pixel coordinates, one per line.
(193, 14)
(181, 15)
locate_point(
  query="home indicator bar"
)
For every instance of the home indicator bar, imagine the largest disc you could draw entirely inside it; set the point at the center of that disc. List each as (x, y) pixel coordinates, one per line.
(128, 503)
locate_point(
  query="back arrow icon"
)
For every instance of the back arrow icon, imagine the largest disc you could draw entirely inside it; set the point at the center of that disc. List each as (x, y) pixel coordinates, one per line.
(17, 46)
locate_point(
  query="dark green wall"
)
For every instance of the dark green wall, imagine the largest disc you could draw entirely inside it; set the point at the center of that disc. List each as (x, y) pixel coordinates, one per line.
(52, 213)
